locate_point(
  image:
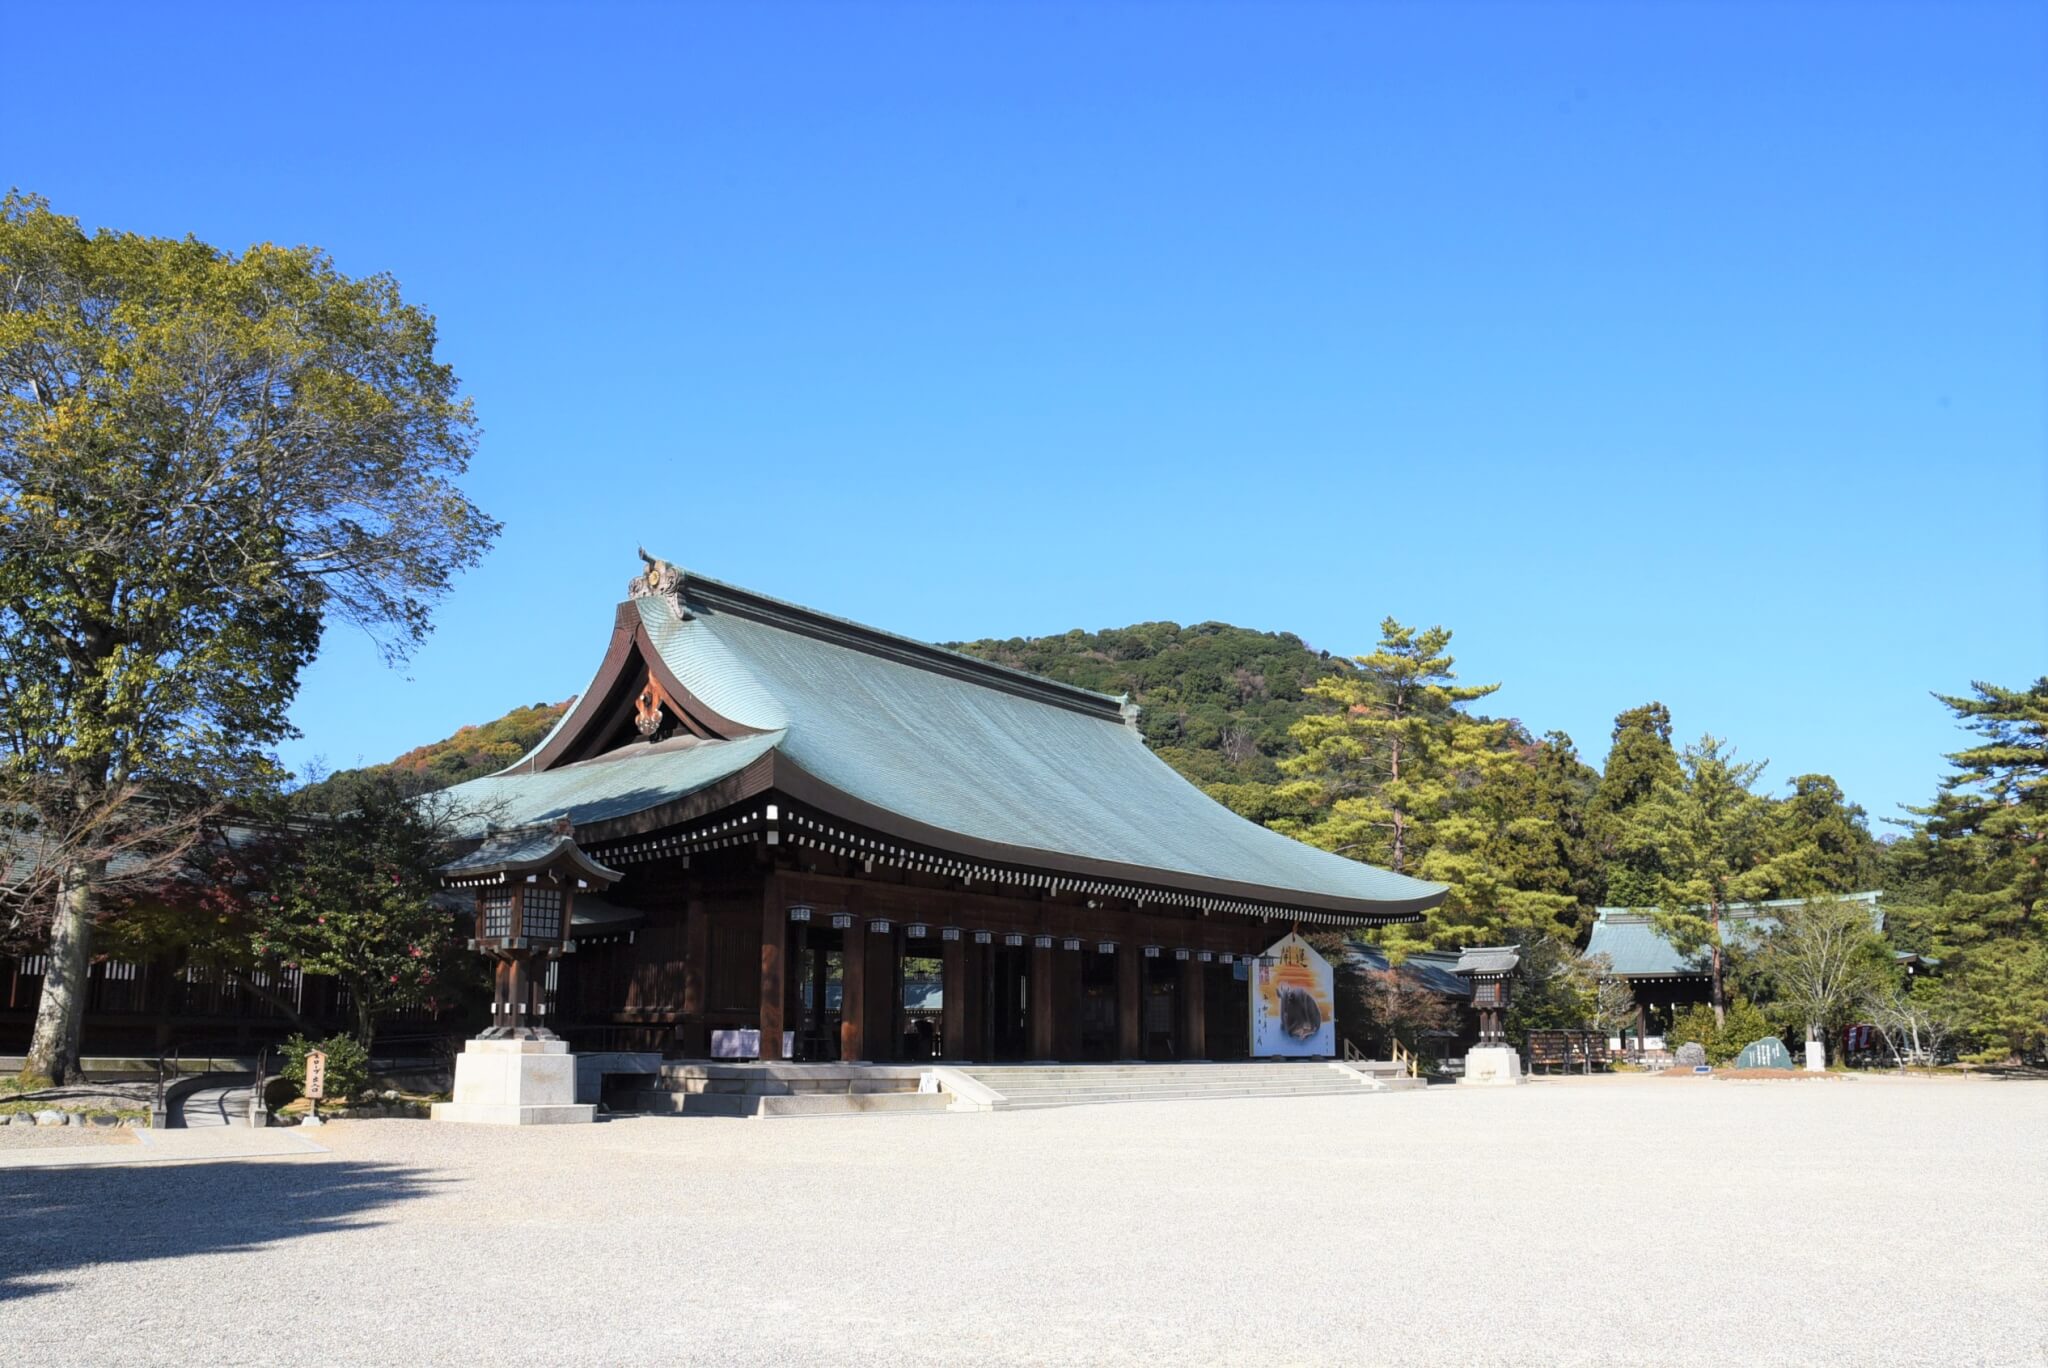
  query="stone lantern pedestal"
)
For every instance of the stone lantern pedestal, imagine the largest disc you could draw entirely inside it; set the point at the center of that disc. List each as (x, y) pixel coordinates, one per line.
(515, 1083)
(1492, 1066)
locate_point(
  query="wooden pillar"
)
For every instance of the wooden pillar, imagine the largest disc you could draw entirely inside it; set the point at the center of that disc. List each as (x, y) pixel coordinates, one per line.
(1194, 1010)
(885, 993)
(1130, 1001)
(853, 997)
(696, 1035)
(953, 1017)
(1069, 991)
(774, 967)
(1041, 1013)
(821, 980)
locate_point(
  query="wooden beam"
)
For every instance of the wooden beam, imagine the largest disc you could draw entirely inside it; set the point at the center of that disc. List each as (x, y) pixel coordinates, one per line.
(853, 996)
(1041, 1013)
(695, 1036)
(1194, 1011)
(1130, 1002)
(953, 1016)
(774, 966)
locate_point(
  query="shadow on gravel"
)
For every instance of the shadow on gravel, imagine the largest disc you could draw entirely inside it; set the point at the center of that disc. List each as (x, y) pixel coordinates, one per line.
(56, 1220)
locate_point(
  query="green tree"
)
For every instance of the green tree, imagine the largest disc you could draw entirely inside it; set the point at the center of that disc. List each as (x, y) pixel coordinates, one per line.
(1822, 961)
(1974, 874)
(205, 457)
(1706, 834)
(1640, 758)
(1821, 840)
(1379, 761)
(352, 898)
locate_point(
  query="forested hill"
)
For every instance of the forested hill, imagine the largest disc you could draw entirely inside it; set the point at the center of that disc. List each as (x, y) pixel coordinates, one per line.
(473, 751)
(1217, 701)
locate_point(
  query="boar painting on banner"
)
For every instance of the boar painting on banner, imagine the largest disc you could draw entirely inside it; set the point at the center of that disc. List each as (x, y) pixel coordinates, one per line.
(1294, 1008)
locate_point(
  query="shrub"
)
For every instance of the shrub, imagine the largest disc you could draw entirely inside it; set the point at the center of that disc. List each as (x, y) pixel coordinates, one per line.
(348, 1064)
(1723, 1041)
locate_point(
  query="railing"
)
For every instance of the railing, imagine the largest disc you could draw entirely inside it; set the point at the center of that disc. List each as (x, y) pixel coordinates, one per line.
(1403, 1057)
(1354, 1055)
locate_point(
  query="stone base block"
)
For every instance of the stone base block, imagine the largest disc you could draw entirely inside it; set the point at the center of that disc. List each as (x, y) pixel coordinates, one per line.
(1492, 1066)
(515, 1083)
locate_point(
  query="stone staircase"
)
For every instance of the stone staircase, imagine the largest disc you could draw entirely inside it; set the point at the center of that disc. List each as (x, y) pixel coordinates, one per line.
(700, 1088)
(1019, 1086)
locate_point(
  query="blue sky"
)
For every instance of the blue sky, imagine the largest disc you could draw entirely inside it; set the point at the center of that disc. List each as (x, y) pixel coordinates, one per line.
(1688, 352)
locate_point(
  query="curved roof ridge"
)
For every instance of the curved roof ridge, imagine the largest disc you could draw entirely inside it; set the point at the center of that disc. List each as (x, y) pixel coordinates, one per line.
(718, 596)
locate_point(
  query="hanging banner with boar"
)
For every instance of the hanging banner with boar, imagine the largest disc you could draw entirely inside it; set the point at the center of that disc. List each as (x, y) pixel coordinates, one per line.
(1294, 1008)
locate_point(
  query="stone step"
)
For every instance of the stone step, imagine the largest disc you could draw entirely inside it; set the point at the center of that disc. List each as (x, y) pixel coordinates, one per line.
(784, 1087)
(662, 1102)
(1178, 1085)
(1253, 1071)
(1206, 1095)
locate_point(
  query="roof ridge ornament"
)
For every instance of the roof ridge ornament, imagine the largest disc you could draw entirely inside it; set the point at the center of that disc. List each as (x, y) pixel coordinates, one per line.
(663, 580)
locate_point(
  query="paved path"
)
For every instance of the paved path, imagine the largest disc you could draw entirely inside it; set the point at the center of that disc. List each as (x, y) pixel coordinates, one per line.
(221, 1104)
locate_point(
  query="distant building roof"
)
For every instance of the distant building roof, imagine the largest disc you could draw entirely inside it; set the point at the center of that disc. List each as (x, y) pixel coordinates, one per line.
(1431, 970)
(1637, 949)
(1487, 961)
(921, 744)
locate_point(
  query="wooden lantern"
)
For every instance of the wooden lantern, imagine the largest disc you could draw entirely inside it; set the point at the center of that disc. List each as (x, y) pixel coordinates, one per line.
(1490, 970)
(526, 882)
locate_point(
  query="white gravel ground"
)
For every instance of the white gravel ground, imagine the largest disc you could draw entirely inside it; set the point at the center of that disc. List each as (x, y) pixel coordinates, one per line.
(1624, 1221)
(15, 1138)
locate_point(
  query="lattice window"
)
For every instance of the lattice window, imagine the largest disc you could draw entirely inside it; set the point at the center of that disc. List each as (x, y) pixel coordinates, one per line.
(544, 913)
(498, 913)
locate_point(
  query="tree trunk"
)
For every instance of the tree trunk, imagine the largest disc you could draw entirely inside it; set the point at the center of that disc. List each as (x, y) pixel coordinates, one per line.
(1400, 826)
(363, 1021)
(1720, 999)
(60, 1013)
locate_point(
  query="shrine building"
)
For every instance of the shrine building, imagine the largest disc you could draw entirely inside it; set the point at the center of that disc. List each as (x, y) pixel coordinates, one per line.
(834, 843)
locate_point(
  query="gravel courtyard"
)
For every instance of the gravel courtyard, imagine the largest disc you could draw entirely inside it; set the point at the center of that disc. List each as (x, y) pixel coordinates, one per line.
(1626, 1221)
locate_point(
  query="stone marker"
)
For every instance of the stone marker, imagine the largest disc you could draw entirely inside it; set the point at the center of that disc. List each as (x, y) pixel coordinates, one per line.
(1768, 1053)
(1691, 1054)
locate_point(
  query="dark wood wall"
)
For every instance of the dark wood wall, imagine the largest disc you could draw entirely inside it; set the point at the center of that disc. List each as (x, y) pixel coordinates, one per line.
(704, 959)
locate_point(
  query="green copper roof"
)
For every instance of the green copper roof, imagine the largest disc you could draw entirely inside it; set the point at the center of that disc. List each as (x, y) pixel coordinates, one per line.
(611, 786)
(966, 750)
(1637, 949)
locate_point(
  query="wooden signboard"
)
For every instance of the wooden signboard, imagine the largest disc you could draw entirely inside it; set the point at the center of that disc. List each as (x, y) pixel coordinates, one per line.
(316, 1074)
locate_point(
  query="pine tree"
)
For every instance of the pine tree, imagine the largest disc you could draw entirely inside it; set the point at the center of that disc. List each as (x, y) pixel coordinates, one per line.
(1377, 766)
(1639, 759)
(1709, 834)
(1822, 843)
(1976, 865)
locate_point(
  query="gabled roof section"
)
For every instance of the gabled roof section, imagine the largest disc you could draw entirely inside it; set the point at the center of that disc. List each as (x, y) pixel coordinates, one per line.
(1631, 940)
(918, 743)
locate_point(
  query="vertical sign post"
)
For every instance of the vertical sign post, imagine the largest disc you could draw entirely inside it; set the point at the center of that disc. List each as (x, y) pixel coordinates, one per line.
(316, 1079)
